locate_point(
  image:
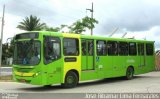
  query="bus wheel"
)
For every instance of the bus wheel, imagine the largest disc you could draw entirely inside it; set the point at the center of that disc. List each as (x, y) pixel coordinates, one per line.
(71, 80)
(129, 73)
(47, 86)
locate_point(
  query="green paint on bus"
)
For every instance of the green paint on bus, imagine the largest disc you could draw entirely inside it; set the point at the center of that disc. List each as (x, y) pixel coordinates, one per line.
(46, 58)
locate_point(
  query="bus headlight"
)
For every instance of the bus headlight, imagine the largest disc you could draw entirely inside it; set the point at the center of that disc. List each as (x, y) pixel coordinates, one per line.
(36, 74)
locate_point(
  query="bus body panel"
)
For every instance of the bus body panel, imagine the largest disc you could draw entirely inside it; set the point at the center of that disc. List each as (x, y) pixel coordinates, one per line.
(88, 67)
(73, 65)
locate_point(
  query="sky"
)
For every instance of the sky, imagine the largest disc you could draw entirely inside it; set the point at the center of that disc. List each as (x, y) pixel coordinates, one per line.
(139, 18)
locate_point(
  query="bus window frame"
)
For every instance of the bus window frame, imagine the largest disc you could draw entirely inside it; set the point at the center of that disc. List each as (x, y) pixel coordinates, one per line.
(77, 49)
(44, 49)
(126, 54)
(140, 50)
(134, 48)
(116, 49)
(105, 48)
(150, 54)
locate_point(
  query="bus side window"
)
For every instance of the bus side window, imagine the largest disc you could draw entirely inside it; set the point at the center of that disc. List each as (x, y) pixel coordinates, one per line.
(132, 49)
(70, 47)
(141, 49)
(112, 48)
(123, 48)
(101, 47)
(84, 50)
(149, 49)
(51, 49)
(90, 48)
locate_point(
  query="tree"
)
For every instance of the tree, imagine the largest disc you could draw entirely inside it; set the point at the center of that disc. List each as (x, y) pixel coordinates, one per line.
(47, 28)
(7, 50)
(83, 24)
(63, 26)
(31, 23)
(89, 22)
(77, 27)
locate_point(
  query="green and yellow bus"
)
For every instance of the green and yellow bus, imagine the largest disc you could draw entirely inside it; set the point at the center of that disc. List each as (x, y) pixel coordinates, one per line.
(47, 58)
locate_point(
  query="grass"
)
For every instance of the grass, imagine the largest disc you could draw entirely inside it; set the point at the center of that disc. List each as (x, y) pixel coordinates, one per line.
(7, 78)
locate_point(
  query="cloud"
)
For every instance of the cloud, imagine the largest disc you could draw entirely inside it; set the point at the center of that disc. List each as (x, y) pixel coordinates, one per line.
(10, 26)
(155, 30)
(134, 15)
(27, 7)
(151, 34)
(137, 17)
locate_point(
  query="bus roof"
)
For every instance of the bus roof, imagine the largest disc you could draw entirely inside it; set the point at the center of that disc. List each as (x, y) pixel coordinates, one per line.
(116, 39)
(88, 36)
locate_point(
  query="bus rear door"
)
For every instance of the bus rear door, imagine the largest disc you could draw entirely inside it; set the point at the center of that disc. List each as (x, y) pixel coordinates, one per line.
(141, 54)
(87, 54)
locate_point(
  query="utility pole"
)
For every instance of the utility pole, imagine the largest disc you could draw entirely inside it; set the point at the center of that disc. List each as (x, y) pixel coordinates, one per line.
(91, 10)
(2, 36)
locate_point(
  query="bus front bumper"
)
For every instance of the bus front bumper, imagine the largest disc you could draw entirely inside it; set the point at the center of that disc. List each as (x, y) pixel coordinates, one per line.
(30, 78)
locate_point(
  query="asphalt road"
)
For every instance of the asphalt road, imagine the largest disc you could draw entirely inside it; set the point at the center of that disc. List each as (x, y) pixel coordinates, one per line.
(144, 83)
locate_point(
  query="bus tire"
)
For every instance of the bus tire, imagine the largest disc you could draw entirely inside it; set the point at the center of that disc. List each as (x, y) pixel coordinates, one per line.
(71, 80)
(129, 73)
(47, 86)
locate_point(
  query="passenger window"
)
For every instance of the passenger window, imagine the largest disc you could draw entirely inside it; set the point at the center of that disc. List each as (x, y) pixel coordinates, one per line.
(90, 47)
(84, 48)
(141, 49)
(132, 48)
(112, 48)
(149, 49)
(123, 48)
(101, 48)
(51, 49)
(71, 46)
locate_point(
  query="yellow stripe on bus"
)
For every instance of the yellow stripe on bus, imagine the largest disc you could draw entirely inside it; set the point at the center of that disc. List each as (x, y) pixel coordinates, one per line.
(24, 74)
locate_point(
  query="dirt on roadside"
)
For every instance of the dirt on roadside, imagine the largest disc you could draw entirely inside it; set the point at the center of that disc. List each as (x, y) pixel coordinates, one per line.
(7, 78)
(157, 60)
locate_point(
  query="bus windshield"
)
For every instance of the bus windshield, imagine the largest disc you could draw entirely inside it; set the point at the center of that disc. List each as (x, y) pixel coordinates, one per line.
(27, 52)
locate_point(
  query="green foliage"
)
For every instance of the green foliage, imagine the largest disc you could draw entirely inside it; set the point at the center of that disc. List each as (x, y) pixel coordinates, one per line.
(63, 26)
(7, 50)
(4, 51)
(47, 28)
(83, 24)
(89, 22)
(31, 23)
(77, 27)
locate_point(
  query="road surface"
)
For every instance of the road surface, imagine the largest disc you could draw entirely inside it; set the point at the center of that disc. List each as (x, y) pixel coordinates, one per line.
(144, 83)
